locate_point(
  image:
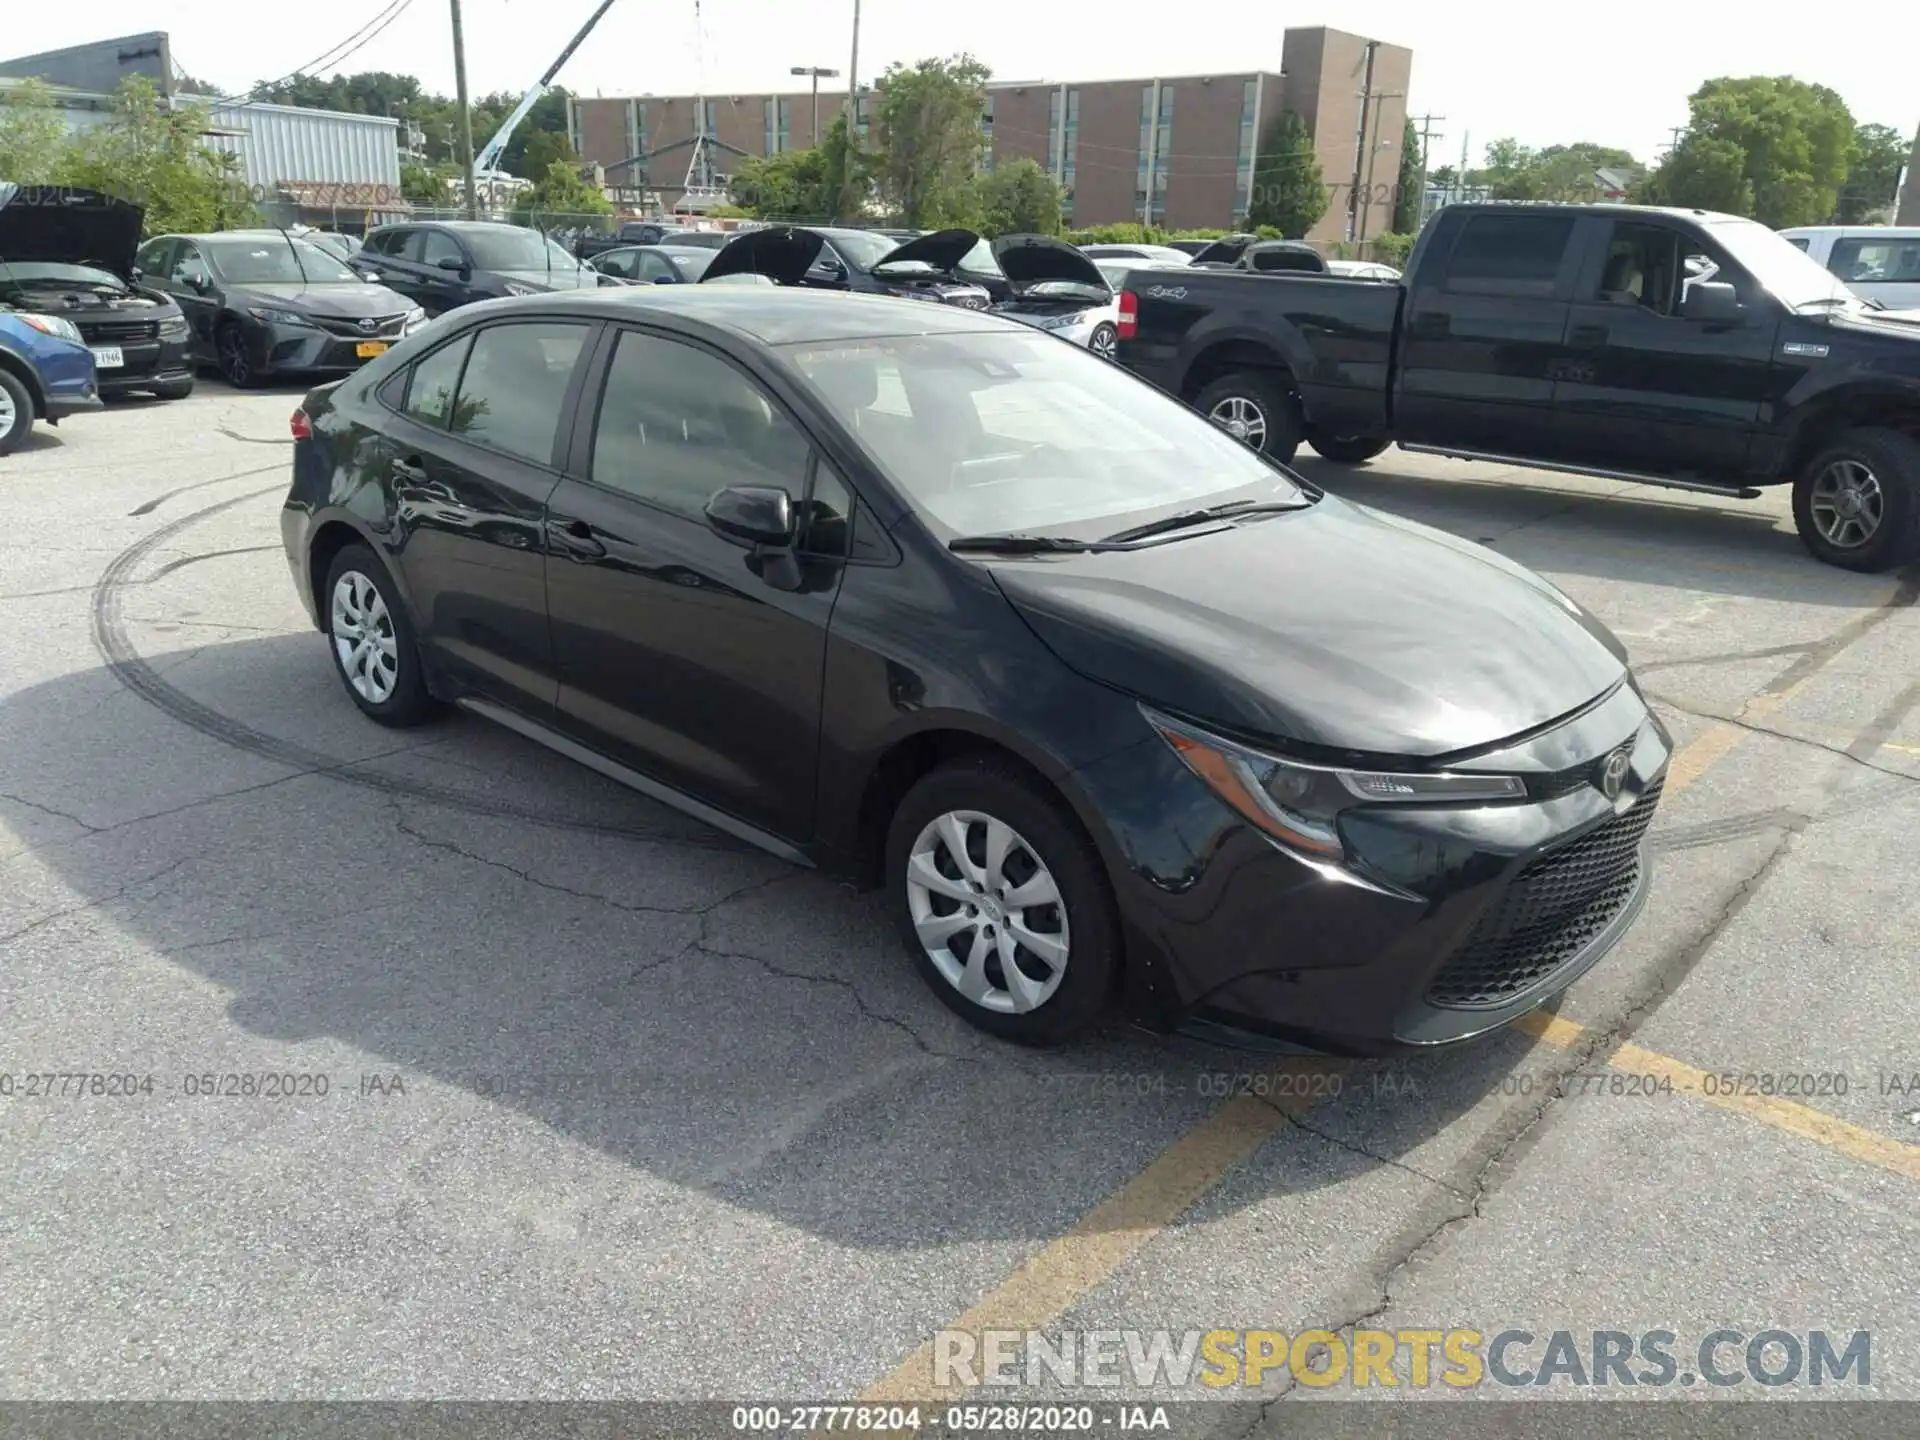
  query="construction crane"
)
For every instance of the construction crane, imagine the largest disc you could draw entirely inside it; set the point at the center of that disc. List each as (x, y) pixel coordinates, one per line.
(486, 164)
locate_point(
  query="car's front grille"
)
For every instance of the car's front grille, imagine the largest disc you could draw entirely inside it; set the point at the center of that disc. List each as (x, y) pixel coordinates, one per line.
(117, 332)
(1550, 912)
(384, 326)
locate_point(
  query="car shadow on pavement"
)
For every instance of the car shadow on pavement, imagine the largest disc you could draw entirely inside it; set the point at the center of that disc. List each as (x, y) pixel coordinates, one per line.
(518, 939)
(1621, 533)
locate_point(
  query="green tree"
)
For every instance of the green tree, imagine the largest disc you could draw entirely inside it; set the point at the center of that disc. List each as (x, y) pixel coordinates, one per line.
(1789, 143)
(1873, 177)
(559, 195)
(1019, 198)
(153, 154)
(1288, 191)
(931, 144)
(538, 152)
(33, 141)
(425, 185)
(1406, 196)
(1555, 172)
(792, 185)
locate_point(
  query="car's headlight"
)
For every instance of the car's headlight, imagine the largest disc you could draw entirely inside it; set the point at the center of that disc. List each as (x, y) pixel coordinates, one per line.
(1299, 805)
(175, 327)
(1062, 322)
(273, 316)
(416, 318)
(516, 287)
(52, 325)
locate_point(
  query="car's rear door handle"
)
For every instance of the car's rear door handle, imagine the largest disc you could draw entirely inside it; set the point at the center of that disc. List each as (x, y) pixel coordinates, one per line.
(410, 469)
(576, 538)
(1589, 335)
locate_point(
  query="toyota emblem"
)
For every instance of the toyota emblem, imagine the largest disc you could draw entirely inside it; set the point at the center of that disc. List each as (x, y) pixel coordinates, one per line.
(368, 326)
(1614, 774)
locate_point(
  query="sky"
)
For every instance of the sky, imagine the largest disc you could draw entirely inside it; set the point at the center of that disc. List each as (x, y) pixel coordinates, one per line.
(1540, 73)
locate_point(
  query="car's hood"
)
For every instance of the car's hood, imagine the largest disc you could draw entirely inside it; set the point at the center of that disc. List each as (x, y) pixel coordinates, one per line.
(347, 301)
(1225, 250)
(1034, 259)
(1895, 324)
(943, 250)
(61, 225)
(1333, 627)
(783, 254)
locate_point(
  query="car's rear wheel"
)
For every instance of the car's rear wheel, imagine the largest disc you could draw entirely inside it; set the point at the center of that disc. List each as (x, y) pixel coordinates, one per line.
(16, 413)
(371, 639)
(230, 353)
(1347, 449)
(1856, 504)
(1257, 408)
(1104, 340)
(1004, 904)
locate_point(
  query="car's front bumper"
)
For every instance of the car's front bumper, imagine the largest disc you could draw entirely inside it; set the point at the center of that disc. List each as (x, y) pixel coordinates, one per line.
(308, 350)
(60, 406)
(1451, 921)
(150, 358)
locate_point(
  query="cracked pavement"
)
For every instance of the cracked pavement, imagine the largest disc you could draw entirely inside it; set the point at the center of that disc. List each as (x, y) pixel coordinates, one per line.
(596, 1103)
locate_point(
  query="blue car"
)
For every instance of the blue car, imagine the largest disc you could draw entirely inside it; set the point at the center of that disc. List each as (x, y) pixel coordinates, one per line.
(46, 373)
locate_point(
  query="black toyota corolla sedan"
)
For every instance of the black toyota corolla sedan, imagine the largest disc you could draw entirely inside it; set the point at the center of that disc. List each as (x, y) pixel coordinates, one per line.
(1115, 710)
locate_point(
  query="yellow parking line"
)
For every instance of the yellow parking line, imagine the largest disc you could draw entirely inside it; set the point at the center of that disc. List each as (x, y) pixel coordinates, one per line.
(1051, 1280)
(1870, 1147)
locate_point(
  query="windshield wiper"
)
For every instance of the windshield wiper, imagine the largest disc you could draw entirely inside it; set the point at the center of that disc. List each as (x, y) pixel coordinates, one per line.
(1025, 545)
(1233, 509)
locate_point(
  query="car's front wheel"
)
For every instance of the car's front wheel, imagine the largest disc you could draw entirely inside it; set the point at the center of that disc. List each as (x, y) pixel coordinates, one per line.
(1256, 407)
(1004, 903)
(370, 637)
(231, 354)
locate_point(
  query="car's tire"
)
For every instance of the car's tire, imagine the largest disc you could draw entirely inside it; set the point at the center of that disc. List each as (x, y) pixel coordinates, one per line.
(1104, 341)
(1257, 407)
(230, 354)
(1856, 503)
(1347, 449)
(371, 639)
(1054, 991)
(16, 413)
(179, 390)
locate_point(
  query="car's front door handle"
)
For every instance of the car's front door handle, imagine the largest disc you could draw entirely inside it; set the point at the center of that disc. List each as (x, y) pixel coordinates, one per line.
(576, 538)
(1589, 335)
(410, 469)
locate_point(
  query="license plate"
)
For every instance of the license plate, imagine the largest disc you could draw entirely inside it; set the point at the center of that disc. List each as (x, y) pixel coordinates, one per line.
(108, 357)
(367, 349)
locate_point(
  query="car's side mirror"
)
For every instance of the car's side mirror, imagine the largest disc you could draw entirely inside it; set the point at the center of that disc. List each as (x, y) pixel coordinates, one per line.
(756, 514)
(1711, 300)
(453, 262)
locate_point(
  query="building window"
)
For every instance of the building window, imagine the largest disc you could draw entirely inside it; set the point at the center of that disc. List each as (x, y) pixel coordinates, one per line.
(986, 131)
(860, 109)
(779, 117)
(706, 123)
(1146, 146)
(1249, 104)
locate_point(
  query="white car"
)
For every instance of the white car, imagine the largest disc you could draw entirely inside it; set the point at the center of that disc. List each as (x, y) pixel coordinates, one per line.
(1878, 262)
(1362, 270)
(1148, 254)
(1056, 288)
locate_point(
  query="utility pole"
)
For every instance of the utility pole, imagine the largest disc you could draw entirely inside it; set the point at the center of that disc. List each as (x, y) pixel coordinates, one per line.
(1360, 142)
(1427, 136)
(1366, 197)
(1678, 133)
(853, 119)
(1461, 178)
(466, 115)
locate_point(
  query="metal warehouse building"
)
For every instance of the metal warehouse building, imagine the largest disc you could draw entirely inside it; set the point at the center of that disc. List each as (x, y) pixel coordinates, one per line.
(320, 166)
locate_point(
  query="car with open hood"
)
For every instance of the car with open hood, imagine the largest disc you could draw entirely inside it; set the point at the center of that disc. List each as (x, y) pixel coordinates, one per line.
(262, 303)
(72, 253)
(1112, 707)
(1056, 288)
(862, 261)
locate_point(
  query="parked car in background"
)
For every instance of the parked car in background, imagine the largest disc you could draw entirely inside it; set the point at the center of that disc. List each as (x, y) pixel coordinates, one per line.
(654, 264)
(857, 260)
(699, 239)
(1263, 257)
(1877, 262)
(444, 264)
(1159, 254)
(630, 232)
(46, 373)
(1111, 708)
(341, 247)
(1055, 288)
(72, 253)
(1363, 270)
(261, 303)
(1675, 348)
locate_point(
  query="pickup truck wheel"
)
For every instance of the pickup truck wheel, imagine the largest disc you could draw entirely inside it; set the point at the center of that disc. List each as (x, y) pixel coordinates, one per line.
(1857, 502)
(1347, 449)
(1255, 407)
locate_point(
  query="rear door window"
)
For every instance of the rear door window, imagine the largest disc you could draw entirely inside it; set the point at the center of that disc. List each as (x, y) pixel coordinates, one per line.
(515, 386)
(436, 380)
(1520, 254)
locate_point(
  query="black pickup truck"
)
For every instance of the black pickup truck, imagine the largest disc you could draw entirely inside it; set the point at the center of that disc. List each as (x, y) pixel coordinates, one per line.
(1672, 347)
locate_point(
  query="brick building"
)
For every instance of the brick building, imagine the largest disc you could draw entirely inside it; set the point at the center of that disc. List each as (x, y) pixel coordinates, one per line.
(1178, 151)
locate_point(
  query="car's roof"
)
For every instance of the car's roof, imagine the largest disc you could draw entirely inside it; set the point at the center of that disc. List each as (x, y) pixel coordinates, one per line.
(455, 225)
(1849, 232)
(780, 315)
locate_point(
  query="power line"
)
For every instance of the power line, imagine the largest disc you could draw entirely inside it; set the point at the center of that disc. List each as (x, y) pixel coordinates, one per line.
(329, 58)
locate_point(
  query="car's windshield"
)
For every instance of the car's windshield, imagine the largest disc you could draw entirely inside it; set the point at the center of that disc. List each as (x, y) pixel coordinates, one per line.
(862, 249)
(31, 272)
(275, 261)
(1782, 268)
(511, 249)
(989, 433)
(980, 259)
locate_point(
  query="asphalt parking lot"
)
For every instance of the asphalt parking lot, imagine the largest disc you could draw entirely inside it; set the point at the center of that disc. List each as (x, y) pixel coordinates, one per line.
(615, 1108)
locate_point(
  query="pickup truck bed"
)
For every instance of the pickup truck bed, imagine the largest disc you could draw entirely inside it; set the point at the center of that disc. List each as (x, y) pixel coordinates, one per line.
(1676, 348)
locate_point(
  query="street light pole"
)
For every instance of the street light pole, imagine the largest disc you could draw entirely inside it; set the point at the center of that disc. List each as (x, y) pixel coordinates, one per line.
(817, 73)
(466, 115)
